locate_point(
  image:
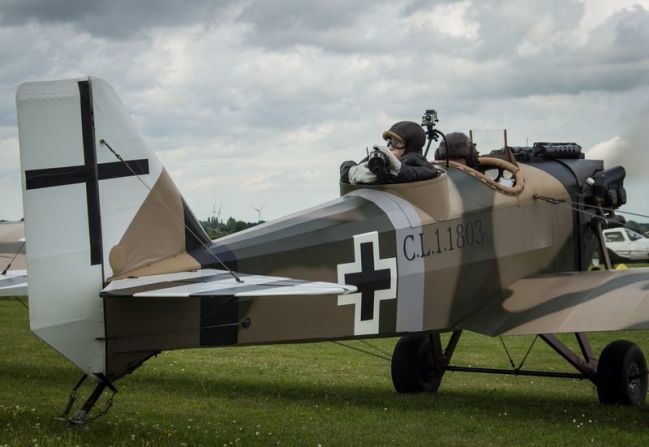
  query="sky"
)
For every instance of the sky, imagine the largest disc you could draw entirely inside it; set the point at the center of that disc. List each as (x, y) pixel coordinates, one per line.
(254, 104)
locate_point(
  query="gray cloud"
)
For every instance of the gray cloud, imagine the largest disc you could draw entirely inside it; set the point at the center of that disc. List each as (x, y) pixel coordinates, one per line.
(621, 39)
(295, 15)
(118, 19)
(340, 26)
(504, 25)
(240, 93)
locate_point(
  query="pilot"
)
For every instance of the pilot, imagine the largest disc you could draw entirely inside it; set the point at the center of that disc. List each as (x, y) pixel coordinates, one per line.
(405, 140)
(462, 150)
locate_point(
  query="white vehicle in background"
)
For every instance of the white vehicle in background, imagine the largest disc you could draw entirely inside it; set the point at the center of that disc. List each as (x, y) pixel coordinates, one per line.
(627, 244)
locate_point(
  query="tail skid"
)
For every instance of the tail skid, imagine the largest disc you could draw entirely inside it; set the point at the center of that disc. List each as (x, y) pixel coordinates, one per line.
(82, 415)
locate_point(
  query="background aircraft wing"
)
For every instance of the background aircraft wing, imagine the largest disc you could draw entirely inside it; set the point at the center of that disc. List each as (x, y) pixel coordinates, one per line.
(568, 302)
(211, 282)
(12, 259)
(13, 283)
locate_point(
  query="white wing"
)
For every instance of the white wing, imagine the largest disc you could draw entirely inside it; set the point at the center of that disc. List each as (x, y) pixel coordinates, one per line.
(13, 283)
(211, 282)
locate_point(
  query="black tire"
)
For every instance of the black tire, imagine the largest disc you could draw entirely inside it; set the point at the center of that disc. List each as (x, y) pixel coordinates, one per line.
(413, 368)
(622, 374)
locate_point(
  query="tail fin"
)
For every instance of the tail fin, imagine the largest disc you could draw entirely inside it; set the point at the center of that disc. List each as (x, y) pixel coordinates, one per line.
(88, 215)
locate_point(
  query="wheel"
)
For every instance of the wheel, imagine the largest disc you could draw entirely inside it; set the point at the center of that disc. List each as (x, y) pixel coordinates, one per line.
(622, 374)
(413, 368)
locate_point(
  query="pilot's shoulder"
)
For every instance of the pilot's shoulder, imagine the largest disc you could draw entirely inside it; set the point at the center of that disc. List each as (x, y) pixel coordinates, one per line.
(413, 157)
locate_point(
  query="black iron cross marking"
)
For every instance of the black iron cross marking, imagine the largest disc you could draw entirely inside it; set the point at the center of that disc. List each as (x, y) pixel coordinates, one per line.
(70, 175)
(89, 173)
(368, 280)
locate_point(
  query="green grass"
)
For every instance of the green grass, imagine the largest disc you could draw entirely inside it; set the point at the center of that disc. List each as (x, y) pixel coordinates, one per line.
(311, 394)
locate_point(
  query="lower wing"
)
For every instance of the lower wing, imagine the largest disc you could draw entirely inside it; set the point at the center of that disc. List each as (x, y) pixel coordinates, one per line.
(608, 300)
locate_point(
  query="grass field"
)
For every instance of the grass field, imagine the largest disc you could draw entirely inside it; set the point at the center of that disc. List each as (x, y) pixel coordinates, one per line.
(312, 394)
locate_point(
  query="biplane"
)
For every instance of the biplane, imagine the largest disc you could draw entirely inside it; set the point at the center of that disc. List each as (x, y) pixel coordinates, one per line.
(120, 268)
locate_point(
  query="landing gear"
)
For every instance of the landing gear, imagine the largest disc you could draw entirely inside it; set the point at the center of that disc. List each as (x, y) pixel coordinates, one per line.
(82, 415)
(413, 369)
(622, 374)
(418, 363)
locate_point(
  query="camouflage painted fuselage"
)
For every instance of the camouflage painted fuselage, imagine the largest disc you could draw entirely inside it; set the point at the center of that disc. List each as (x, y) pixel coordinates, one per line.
(456, 242)
(423, 255)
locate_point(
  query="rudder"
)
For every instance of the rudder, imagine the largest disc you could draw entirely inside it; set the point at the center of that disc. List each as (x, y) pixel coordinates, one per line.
(88, 214)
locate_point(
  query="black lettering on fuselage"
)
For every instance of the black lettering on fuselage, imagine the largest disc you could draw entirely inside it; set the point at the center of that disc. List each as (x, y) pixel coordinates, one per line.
(446, 237)
(424, 252)
(405, 251)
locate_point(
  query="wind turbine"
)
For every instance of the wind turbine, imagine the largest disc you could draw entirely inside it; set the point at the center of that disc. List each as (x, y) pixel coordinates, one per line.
(259, 212)
(216, 214)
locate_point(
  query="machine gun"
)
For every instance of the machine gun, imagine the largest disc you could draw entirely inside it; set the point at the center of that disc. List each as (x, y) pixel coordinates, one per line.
(377, 162)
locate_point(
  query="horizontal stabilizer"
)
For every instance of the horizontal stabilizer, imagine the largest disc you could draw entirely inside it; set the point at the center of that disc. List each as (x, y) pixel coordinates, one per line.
(610, 300)
(211, 282)
(13, 283)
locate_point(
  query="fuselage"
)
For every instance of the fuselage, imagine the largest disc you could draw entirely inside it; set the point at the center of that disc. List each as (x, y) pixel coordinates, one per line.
(455, 242)
(424, 256)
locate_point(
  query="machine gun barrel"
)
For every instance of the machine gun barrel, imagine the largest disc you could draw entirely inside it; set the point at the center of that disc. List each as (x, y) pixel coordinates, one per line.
(377, 162)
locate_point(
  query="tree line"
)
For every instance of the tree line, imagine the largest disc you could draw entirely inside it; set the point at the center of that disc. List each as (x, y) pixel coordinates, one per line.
(640, 227)
(217, 228)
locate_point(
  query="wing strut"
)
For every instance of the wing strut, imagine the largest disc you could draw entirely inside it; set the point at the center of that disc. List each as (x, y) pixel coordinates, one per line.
(603, 252)
(587, 368)
(441, 358)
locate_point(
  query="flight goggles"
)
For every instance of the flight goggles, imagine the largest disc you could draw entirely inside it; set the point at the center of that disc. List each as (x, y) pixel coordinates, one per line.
(395, 143)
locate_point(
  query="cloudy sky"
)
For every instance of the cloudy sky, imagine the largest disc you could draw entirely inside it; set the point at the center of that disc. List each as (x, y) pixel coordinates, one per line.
(255, 103)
